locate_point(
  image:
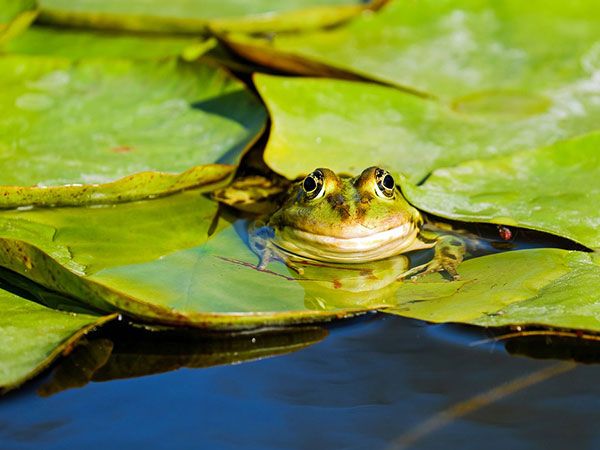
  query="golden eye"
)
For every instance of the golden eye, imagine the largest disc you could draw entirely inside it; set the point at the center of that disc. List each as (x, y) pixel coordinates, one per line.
(313, 185)
(385, 183)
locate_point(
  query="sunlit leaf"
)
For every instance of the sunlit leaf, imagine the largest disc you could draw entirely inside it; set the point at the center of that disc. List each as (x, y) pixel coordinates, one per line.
(550, 287)
(554, 189)
(480, 54)
(348, 126)
(15, 16)
(195, 16)
(91, 122)
(81, 43)
(32, 336)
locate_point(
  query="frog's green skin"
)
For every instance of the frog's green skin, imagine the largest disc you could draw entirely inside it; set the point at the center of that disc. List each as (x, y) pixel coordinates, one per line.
(342, 219)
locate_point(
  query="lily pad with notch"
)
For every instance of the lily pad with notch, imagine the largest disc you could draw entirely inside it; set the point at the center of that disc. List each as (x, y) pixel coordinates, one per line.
(105, 130)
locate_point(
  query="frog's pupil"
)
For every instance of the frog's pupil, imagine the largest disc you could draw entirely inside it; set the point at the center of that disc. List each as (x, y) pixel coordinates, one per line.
(310, 184)
(388, 182)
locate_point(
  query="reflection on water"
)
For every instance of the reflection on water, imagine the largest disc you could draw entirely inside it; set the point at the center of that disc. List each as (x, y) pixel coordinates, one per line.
(370, 384)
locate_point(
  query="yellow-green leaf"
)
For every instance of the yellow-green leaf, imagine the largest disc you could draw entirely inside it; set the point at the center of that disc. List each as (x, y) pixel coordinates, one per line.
(348, 126)
(549, 287)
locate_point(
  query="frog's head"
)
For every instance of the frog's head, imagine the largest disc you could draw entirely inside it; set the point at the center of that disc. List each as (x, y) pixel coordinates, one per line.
(341, 218)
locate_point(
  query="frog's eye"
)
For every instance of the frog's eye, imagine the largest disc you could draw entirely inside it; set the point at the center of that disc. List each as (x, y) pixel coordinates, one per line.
(385, 183)
(313, 185)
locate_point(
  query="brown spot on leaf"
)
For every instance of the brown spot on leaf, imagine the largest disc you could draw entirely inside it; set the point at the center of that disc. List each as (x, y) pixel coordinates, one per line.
(337, 284)
(122, 149)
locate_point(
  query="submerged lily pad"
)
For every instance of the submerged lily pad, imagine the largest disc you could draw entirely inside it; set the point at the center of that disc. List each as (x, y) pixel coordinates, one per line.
(196, 16)
(15, 16)
(79, 43)
(466, 51)
(168, 260)
(554, 189)
(91, 122)
(32, 336)
(550, 287)
(348, 126)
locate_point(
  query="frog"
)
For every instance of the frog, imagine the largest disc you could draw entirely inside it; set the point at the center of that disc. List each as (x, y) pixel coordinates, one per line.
(344, 219)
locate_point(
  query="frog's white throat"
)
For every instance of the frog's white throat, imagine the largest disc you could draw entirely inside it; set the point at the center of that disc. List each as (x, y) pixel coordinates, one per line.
(372, 247)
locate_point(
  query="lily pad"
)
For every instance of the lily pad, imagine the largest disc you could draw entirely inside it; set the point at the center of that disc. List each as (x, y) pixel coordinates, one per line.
(477, 53)
(348, 126)
(196, 16)
(549, 287)
(32, 336)
(168, 260)
(78, 43)
(554, 189)
(91, 122)
(15, 16)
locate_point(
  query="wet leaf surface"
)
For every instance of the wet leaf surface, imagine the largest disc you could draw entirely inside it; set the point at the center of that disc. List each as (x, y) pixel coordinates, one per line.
(348, 126)
(196, 16)
(92, 122)
(554, 189)
(32, 336)
(480, 54)
(549, 287)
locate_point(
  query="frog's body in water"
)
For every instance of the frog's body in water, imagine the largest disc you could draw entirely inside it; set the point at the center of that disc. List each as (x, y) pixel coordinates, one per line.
(342, 219)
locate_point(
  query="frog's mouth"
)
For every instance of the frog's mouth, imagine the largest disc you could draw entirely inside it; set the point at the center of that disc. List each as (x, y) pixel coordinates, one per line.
(371, 247)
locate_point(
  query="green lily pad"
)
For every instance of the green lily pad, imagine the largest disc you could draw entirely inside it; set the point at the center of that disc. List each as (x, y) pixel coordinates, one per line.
(92, 122)
(554, 189)
(196, 16)
(32, 336)
(549, 287)
(472, 52)
(15, 16)
(168, 260)
(348, 126)
(78, 43)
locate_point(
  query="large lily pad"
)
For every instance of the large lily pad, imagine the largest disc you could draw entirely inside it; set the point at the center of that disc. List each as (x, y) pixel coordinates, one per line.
(348, 126)
(32, 336)
(91, 122)
(168, 260)
(554, 189)
(477, 53)
(549, 287)
(195, 16)
(78, 43)
(15, 16)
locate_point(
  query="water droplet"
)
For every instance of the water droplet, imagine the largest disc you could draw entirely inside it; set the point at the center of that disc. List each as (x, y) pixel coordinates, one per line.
(34, 102)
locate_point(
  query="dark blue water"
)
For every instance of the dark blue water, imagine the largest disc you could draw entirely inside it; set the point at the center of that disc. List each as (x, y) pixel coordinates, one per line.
(375, 383)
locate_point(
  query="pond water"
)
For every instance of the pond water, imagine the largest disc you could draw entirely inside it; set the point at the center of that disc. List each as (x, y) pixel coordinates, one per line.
(373, 382)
